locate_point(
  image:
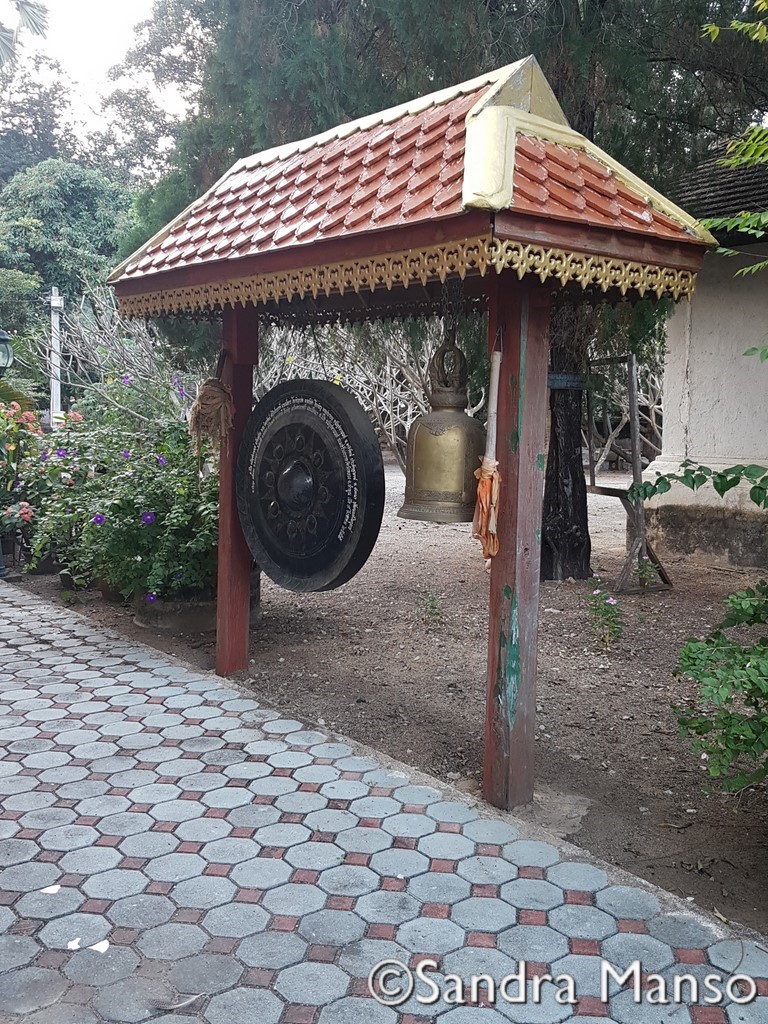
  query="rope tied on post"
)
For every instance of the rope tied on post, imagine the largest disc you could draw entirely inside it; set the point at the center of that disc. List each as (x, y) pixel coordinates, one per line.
(212, 413)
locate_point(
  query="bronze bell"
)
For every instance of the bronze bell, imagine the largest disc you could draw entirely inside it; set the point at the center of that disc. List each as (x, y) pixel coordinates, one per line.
(445, 447)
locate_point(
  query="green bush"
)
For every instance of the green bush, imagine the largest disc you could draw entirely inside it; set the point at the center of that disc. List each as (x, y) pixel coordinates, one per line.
(729, 722)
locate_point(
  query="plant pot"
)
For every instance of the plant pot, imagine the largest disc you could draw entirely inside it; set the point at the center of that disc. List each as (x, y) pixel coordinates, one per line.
(48, 566)
(194, 613)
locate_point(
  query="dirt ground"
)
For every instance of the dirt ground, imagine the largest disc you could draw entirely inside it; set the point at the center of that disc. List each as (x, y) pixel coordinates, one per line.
(396, 659)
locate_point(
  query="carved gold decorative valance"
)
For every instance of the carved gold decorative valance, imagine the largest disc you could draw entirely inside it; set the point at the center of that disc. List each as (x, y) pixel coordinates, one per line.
(421, 265)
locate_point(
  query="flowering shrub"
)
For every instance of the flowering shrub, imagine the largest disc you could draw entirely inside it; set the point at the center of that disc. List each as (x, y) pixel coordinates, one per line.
(18, 433)
(137, 512)
(14, 517)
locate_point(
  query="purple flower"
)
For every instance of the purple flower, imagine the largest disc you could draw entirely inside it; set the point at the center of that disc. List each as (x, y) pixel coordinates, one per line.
(126, 454)
(126, 380)
(162, 461)
(69, 511)
(177, 575)
(148, 518)
(151, 598)
(99, 519)
(44, 457)
(611, 600)
(61, 452)
(596, 592)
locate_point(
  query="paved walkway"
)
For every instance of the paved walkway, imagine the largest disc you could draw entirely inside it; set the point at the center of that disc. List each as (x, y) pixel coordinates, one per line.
(163, 837)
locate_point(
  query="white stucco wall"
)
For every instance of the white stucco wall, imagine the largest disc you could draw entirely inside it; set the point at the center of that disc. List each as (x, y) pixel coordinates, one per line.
(715, 398)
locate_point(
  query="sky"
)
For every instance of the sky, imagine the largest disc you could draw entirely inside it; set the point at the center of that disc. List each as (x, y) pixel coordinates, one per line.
(87, 37)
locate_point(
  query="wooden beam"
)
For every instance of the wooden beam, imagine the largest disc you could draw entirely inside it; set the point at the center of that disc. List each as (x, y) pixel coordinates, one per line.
(240, 343)
(521, 311)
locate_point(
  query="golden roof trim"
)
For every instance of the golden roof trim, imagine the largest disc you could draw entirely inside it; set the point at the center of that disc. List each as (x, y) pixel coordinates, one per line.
(429, 263)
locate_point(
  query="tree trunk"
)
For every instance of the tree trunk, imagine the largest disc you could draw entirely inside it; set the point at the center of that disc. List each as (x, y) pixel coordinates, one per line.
(565, 543)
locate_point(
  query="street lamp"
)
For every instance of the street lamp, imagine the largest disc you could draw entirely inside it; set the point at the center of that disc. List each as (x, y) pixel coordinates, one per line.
(6, 351)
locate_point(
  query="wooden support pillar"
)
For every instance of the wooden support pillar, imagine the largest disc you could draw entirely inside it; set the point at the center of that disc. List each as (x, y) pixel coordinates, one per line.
(521, 311)
(241, 346)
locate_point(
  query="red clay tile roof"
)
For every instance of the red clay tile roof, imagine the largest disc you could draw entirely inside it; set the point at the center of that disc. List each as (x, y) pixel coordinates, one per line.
(389, 174)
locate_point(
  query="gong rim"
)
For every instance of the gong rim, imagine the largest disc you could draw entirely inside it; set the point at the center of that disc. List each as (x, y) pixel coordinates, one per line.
(310, 485)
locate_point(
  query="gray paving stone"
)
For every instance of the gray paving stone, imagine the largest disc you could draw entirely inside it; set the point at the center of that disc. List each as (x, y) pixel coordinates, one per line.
(364, 840)
(127, 824)
(532, 894)
(545, 1010)
(27, 877)
(177, 810)
(472, 1015)
(753, 1013)
(247, 770)
(16, 951)
(627, 902)
(315, 856)
(82, 790)
(172, 942)
(682, 931)
(175, 867)
(430, 935)
(149, 844)
(154, 793)
(282, 726)
(586, 972)
(202, 782)
(349, 880)
(89, 928)
(115, 884)
(29, 801)
(47, 906)
(582, 922)
(477, 960)
(399, 863)
(483, 914)
(259, 747)
(261, 873)
(244, 1005)
(354, 1010)
(282, 835)
(482, 870)
(141, 912)
(344, 789)
(451, 811)
(446, 846)
(272, 950)
(48, 817)
(623, 949)
(740, 956)
(290, 759)
(68, 837)
(582, 877)
(535, 943)
(306, 738)
(411, 826)
(331, 821)
(236, 921)
(375, 807)
(530, 853)
(129, 1001)
(29, 989)
(294, 899)
(317, 774)
(16, 851)
(311, 983)
(332, 927)
(230, 851)
(203, 893)
(87, 967)
(435, 887)
(64, 1014)
(626, 1011)
(203, 830)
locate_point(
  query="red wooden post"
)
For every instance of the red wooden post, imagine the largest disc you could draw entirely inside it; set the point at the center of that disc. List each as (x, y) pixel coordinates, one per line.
(521, 310)
(241, 345)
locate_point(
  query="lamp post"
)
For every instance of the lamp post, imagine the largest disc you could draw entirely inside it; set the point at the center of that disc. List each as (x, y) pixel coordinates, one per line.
(57, 305)
(6, 360)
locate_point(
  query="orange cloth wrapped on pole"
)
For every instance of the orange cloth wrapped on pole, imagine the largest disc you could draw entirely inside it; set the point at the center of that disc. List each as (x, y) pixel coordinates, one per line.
(488, 477)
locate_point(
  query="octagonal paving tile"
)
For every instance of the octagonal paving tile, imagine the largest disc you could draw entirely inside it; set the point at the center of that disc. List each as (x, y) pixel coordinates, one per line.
(533, 943)
(364, 840)
(375, 807)
(358, 958)
(482, 870)
(48, 817)
(532, 894)
(203, 893)
(16, 851)
(628, 902)
(446, 846)
(314, 984)
(740, 955)
(131, 1000)
(294, 900)
(47, 905)
(230, 851)
(331, 821)
(315, 856)
(317, 774)
(581, 877)
(282, 835)
(531, 853)
(68, 837)
(409, 826)
(349, 880)
(344, 789)
(172, 941)
(64, 1013)
(28, 877)
(87, 967)
(154, 793)
(128, 824)
(625, 1010)
(29, 989)
(226, 797)
(582, 922)
(301, 803)
(261, 873)
(430, 935)
(203, 830)
(175, 867)
(622, 950)
(244, 1005)
(88, 928)
(482, 914)
(289, 759)
(383, 907)
(332, 928)
(273, 785)
(29, 801)
(236, 921)
(272, 950)
(177, 810)
(399, 863)
(146, 845)
(141, 912)
(202, 782)
(354, 1010)
(541, 1009)
(683, 931)
(115, 884)
(434, 887)
(16, 951)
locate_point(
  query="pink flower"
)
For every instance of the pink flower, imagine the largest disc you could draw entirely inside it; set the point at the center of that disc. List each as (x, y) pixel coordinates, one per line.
(76, 417)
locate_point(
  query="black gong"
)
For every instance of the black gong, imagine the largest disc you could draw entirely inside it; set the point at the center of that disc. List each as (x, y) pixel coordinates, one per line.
(310, 485)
